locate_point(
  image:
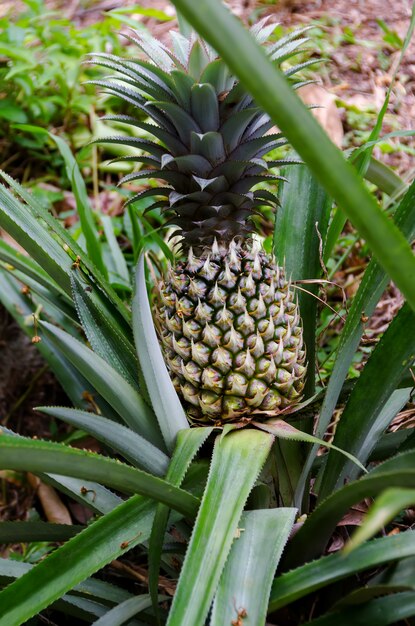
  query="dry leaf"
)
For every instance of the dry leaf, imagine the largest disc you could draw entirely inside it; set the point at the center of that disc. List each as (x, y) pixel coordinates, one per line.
(53, 507)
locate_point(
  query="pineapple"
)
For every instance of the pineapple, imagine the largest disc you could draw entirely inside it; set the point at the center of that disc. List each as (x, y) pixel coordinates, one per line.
(228, 320)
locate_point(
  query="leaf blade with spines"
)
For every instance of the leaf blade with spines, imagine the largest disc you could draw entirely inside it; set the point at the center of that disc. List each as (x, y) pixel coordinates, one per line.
(314, 534)
(264, 534)
(105, 334)
(189, 441)
(236, 463)
(125, 400)
(167, 407)
(39, 212)
(370, 290)
(309, 578)
(42, 456)
(99, 544)
(135, 449)
(391, 358)
(89, 227)
(119, 614)
(390, 609)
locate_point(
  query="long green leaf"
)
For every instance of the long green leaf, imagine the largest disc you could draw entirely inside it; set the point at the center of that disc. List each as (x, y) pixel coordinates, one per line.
(189, 441)
(272, 91)
(63, 236)
(83, 207)
(20, 532)
(108, 383)
(308, 578)
(16, 220)
(42, 456)
(382, 611)
(169, 411)
(136, 449)
(284, 430)
(100, 543)
(30, 268)
(389, 361)
(120, 263)
(263, 537)
(21, 310)
(91, 494)
(124, 611)
(299, 235)
(313, 536)
(236, 462)
(364, 303)
(385, 508)
(105, 334)
(385, 178)
(85, 609)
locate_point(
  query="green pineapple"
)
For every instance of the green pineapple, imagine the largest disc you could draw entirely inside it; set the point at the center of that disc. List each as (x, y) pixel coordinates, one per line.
(228, 320)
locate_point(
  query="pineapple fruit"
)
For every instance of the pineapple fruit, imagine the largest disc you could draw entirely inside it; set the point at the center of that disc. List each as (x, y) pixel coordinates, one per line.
(227, 317)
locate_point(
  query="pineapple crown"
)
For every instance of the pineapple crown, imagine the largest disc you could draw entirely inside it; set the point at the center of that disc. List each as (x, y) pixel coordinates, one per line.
(211, 137)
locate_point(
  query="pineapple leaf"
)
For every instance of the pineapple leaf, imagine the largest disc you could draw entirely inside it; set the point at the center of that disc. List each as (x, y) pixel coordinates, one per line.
(198, 59)
(105, 335)
(31, 269)
(135, 449)
(189, 441)
(308, 578)
(124, 399)
(134, 142)
(25, 532)
(165, 401)
(204, 107)
(100, 543)
(371, 288)
(20, 453)
(236, 462)
(390, 609)
(170, 141)
(183, 123)
(90, 494)
(316, 531)
(383, 511)
(153, 191)
(23, 226)
(218, 75)
(283, 430)
(119, 614)
(236, 125)
(208, 145)
(299, 235)
(262, 30)
(363, 419)
(264, 534)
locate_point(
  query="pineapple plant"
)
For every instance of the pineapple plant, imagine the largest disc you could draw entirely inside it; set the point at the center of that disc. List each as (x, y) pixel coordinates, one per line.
(157, 453)
(228, 319)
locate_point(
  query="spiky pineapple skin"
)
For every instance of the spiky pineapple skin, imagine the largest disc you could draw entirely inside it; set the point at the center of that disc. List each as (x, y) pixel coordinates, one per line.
(231, 334)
